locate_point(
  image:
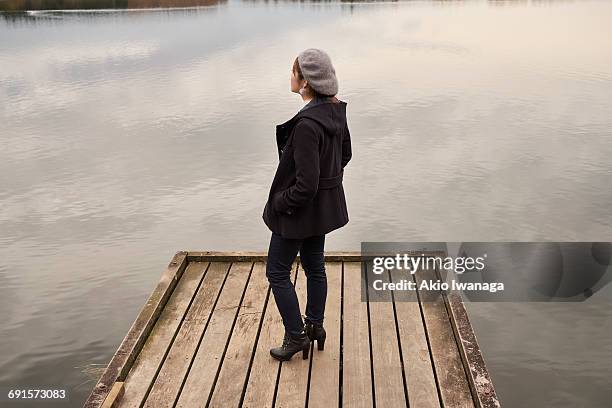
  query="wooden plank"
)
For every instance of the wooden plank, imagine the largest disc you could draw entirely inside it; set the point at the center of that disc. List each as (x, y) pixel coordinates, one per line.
(210, 353)
(261, 384)
(452, 380)
(388, 383)
(114, 395)
(356, 369)
(420, 381)
(170, 378)
(293, 380)
(125, 355)
(232, 377)
(150, 359)
(473, 361)
(331, 256)
(325, 370)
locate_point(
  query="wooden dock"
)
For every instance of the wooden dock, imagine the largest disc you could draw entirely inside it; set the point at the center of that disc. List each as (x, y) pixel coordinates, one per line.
(203, 339)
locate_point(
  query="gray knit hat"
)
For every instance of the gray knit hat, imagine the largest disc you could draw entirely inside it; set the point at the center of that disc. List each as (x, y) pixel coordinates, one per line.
(317, 69)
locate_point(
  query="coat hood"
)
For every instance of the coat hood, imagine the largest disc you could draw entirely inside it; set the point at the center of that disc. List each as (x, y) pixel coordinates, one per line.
(331, 116)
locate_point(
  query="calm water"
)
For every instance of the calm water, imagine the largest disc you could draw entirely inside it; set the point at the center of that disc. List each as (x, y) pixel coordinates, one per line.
(129, 135)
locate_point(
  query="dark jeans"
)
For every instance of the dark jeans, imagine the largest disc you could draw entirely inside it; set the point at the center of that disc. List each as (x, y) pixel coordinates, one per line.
(281, 255)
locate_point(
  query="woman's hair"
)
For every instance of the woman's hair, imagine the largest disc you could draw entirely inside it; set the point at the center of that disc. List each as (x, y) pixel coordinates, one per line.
(298, 71)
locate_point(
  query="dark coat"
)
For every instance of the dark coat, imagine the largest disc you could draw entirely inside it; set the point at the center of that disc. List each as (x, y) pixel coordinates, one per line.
(306, 197)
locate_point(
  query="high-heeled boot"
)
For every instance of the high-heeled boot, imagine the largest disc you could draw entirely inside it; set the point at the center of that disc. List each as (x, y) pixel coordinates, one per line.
(291, 345)
(315, 331)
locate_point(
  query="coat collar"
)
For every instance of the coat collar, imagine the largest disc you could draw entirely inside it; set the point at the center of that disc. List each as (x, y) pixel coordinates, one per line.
(314, 102)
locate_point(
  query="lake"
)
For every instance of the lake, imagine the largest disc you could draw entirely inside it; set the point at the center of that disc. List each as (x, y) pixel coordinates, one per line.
(129, 134)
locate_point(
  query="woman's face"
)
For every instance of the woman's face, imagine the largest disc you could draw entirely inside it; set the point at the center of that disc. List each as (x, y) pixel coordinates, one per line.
(296, 84)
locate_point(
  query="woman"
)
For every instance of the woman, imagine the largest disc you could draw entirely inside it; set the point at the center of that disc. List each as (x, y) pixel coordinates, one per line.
(306, 199)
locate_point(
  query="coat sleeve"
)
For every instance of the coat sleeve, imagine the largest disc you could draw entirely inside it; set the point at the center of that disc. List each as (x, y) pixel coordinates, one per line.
(306, 158)
(346, 146)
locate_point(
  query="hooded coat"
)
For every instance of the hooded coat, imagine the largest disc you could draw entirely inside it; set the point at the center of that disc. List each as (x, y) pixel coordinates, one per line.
(306, 197)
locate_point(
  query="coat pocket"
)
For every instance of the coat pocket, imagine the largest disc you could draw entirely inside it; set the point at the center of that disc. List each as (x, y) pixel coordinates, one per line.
(279, 205)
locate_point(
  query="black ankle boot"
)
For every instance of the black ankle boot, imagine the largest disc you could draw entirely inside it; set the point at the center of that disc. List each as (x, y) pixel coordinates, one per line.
(315, 331)
(291, 345)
